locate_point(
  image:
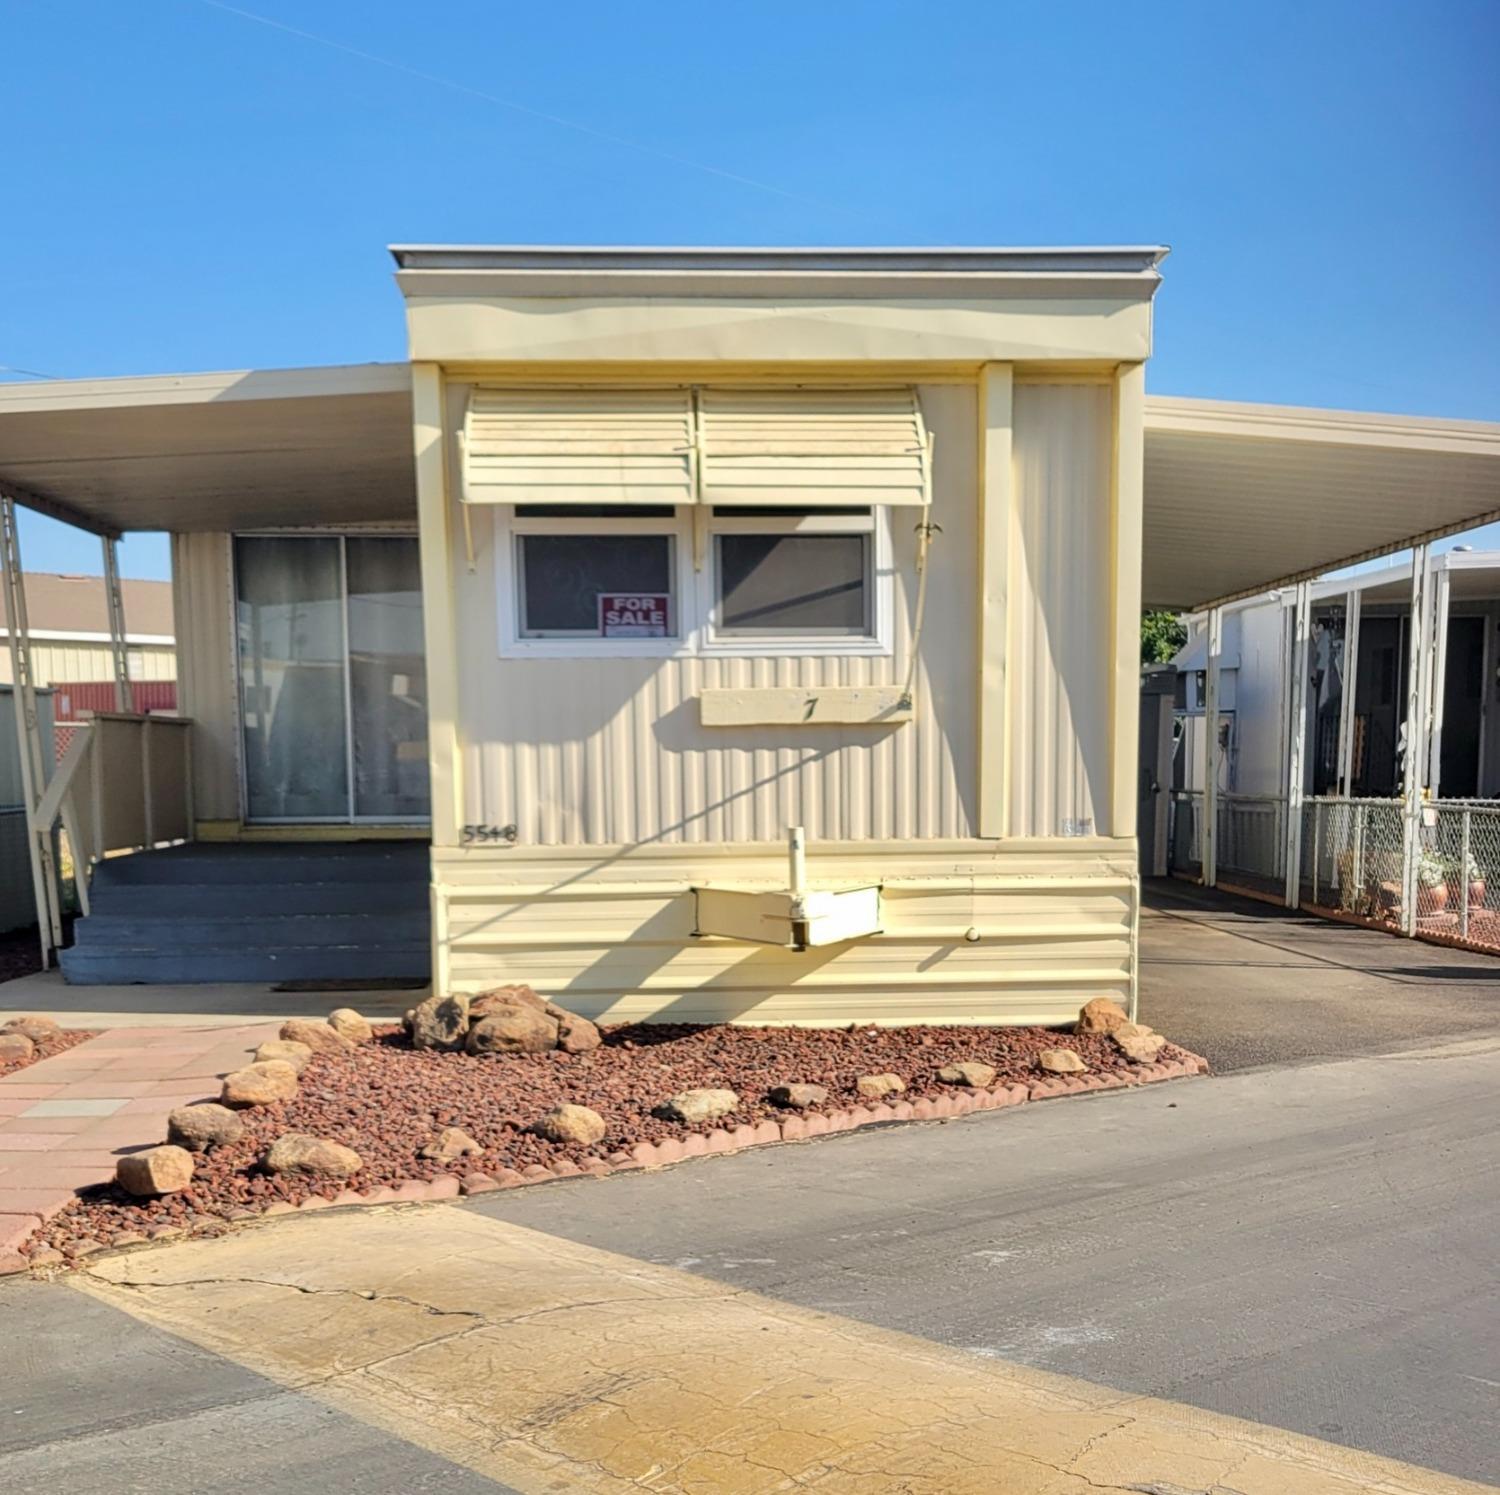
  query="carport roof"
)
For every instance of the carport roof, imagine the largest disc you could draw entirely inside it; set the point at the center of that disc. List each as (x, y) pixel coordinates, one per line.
(1238, 498)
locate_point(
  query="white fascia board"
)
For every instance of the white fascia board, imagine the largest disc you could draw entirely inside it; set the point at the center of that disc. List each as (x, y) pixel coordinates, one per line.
(1170, 414)
(63, 636)
(207, 388)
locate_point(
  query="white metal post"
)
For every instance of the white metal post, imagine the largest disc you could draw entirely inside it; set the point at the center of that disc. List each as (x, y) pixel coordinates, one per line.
(1210, 872)
(1296, 773)
(124, 699)
(1349, 695)
(29, 738)
(1435, 690)
(1418, 660)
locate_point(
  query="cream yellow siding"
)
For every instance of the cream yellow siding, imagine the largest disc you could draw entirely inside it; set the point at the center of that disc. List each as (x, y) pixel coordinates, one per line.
(613, 935)
(61, 662)
(1060, 648)
(610, 751)
(207, 678)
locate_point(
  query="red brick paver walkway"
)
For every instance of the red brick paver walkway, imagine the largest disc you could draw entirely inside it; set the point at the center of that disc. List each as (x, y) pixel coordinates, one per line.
(65, 1121)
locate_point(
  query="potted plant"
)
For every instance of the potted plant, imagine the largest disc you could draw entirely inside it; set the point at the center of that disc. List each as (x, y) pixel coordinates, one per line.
(1432, 884)
(1467, 870)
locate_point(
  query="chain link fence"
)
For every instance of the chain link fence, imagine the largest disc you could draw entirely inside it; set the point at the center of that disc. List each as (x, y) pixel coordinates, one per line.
(1354, 860)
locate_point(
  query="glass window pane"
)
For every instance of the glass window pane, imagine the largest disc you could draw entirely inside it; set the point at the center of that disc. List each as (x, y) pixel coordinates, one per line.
(387, 678)
(290, 621)
(564, 576)
(813, 584)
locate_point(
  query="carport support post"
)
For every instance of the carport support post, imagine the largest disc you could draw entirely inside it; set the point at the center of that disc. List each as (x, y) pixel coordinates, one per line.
(1418, 686)
(124, 699)
(1210, 872)
(1441, 581)
(1297, 748)
(29, 738)
(1348, 694)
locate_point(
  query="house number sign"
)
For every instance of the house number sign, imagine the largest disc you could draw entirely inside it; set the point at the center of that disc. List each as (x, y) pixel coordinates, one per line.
(634, 614)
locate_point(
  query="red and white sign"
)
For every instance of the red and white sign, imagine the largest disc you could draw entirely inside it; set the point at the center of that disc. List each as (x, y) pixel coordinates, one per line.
(634, 614)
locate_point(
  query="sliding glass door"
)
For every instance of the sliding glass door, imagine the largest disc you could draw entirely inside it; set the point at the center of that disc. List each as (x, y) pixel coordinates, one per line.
(333, 690)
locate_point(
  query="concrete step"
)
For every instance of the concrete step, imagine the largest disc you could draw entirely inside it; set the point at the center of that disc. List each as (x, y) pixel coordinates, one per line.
(205, 900)
(192, 966)
(102, 932)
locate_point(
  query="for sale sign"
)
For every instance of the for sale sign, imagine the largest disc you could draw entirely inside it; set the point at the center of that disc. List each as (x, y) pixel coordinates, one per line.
(634, 614)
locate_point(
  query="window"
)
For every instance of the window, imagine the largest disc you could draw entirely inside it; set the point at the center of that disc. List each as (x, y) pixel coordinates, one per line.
(626, 581)
(606, 573)
(793, 573)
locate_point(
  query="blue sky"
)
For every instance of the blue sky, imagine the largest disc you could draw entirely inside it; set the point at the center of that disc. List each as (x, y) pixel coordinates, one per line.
(190, 188)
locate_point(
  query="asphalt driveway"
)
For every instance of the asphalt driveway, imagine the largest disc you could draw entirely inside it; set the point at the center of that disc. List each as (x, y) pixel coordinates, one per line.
(1245, 983)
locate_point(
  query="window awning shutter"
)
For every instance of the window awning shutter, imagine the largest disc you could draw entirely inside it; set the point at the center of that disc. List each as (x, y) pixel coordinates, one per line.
(579, 446)
(803, 447)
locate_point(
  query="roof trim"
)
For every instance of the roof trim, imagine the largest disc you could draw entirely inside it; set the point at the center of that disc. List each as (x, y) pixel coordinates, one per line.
(467, 270)
(849, 261)
(201, 389)
(1177, 414)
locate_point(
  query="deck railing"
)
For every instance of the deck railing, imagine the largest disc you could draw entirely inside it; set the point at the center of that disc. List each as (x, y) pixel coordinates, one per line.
(125, 783)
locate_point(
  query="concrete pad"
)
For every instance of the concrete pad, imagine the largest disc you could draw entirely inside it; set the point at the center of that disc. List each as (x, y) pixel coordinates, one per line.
(72, 1416)
(1245, 983)
(213, 1005)
(553, 1365)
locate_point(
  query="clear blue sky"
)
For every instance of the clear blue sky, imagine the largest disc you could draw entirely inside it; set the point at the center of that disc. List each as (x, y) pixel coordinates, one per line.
(188, 188)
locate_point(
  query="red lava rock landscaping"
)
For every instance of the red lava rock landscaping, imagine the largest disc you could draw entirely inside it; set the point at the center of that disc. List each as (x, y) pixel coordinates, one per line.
(43, 1046)
(390, 1103)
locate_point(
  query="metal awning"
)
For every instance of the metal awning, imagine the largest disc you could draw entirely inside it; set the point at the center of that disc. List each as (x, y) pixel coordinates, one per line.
(1238, 498)
(223, 451)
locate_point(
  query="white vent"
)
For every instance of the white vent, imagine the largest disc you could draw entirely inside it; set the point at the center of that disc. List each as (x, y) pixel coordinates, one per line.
(802, 447)
(579, 446)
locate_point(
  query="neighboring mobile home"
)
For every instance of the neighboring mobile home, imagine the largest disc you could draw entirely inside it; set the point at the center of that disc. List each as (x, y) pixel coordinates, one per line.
(696, 549)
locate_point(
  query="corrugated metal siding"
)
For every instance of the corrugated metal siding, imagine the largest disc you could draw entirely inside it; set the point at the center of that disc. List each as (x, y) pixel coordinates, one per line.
(1051, 937)
(610, 752)
(59, 663)
(1061, 601)
(201, 596)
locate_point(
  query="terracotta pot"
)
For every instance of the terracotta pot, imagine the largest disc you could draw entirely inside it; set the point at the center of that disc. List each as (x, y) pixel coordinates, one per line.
(1476, 893)
(1432, 900)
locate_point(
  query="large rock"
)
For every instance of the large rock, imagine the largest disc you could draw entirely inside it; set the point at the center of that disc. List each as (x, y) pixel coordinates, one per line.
(347, 1023)
(260, 1084)
(516, 995)
(876, 1087)
(797, 1097)
(1061, 1062)
(198, 1128)
(440, 1023)
(288, 1050)
(15, 1048)
(575, 1035)
(37, 1029)
(1102, 1015)
(449, 1145)
(311, 1157)
(695, 1106)
(319, 1037)
(513, 1030)
(158, 1170)
(571, 1033)
(568, 1123)
(1138, 1043)
(967, 1072)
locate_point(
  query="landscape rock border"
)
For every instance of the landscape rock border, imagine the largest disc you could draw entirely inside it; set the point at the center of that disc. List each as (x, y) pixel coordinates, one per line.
(716, 1143)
